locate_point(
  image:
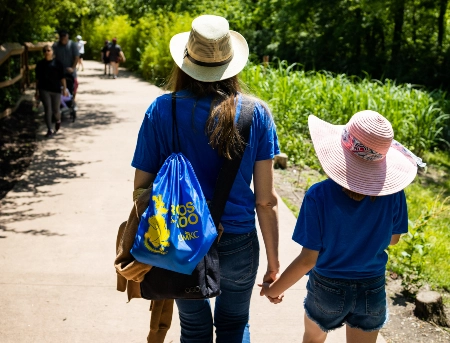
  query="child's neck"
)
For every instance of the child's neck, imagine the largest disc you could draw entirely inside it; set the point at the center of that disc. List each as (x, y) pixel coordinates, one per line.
(353, 195)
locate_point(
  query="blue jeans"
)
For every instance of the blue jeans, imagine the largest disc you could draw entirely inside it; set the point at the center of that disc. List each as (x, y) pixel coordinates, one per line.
(359, 303)
(239, 260)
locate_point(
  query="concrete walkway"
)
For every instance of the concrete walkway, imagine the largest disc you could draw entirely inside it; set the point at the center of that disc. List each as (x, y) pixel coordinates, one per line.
(58, 228)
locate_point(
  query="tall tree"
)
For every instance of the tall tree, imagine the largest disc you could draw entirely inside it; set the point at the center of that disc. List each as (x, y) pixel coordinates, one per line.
(441, 20)
(398, 11)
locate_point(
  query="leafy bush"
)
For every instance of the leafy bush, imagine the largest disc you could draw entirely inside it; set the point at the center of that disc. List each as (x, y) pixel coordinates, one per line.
(145, 43)
(106, 29)
(11, 94)
(156, 61)
(417, 116)
(423, 253)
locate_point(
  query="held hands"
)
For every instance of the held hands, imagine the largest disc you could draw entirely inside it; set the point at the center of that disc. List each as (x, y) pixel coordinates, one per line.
(65, 92)
(269, 278)
(69, 70)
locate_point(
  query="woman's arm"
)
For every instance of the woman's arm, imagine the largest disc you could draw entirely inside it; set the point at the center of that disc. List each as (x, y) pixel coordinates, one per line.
(143, 179)
(38, 74)
(296, 270)
(36, 94)
(267, 211)
(64, 84)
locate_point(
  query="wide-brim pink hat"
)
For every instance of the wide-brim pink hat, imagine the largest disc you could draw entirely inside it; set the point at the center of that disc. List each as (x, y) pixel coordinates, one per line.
(362, 155)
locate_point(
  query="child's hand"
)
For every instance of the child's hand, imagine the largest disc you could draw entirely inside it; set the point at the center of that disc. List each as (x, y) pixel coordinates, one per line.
(265, 290)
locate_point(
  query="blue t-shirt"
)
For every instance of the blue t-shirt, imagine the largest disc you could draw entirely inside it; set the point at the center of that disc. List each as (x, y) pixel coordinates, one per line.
(351, 236)
(154, 145)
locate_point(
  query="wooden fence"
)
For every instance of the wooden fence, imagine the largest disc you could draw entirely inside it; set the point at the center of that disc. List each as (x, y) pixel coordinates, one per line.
(12, 49)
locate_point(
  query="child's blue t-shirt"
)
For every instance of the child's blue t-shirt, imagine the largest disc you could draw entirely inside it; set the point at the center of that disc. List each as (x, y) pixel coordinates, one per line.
(154, 145)
(351, 236)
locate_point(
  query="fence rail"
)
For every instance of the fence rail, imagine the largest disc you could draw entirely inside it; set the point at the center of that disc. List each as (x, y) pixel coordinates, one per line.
(7, 50)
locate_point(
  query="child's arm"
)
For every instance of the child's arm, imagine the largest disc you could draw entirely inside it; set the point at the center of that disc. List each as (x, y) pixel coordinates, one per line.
(395, 238)
(296, 270)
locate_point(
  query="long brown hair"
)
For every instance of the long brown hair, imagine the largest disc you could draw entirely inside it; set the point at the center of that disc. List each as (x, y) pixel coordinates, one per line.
(220, 126)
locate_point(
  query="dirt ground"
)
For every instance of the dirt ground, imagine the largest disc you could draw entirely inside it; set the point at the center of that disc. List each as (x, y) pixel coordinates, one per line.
(17, 144)
(403, 326)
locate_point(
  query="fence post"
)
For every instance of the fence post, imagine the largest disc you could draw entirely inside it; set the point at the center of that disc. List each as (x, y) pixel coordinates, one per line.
(27, 69)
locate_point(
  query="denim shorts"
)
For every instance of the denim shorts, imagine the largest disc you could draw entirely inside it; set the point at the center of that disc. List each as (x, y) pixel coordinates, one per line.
(360, 303)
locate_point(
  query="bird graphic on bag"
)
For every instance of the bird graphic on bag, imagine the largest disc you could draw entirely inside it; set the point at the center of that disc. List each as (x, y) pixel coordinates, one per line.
(157, 235)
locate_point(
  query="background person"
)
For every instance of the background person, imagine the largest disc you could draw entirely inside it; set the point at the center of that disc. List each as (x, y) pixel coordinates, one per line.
(345, 225)
(80, 44)
(66, 52)
(209, 100)
(50, 83)
(115, 55)
(104, 58)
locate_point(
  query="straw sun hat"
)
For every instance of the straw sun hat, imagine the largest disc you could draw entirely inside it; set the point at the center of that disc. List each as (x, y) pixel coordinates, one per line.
(210, 51)
(362, 155)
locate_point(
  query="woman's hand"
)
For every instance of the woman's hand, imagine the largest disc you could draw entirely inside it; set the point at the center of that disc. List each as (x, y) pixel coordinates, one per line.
(272, 296)
(65, 92)
(269, 277)
(265, 289)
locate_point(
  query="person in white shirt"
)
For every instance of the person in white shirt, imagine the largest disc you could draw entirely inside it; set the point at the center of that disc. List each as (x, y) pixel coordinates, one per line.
(81, 44)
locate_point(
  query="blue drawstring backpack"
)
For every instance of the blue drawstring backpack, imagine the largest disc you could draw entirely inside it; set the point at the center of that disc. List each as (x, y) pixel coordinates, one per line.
(177, 230)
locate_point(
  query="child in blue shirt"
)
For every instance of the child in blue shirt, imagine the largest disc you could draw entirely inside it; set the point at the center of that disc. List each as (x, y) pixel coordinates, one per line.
(345, 224)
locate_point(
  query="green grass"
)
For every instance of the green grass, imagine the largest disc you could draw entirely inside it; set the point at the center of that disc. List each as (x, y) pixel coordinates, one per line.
(418, 117)
(293, 207)
(422, 197)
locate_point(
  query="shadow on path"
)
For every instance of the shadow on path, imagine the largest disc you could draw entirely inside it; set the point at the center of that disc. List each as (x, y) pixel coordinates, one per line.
(30, 232)
(52, 164)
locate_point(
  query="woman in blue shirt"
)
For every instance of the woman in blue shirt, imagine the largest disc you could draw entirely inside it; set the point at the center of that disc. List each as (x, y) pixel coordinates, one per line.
(208, 103)
(346, 223)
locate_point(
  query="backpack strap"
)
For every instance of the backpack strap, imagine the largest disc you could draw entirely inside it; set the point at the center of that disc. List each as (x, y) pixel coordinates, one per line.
(175, 147)
(230, 168)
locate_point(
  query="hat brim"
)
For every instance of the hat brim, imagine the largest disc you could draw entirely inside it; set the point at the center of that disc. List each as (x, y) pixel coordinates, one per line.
(387, 176)
(210, 74)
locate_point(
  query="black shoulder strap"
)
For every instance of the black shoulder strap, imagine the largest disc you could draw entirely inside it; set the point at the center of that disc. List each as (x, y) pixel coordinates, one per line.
(175, 147)
(230, 168)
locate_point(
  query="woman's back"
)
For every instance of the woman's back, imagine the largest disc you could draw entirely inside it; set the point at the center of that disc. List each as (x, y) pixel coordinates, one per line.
(155, 144)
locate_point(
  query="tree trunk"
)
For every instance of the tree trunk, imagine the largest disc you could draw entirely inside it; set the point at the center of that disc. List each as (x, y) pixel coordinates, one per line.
(399, 16)
(441, 21)
(414, 24)
(429, 307)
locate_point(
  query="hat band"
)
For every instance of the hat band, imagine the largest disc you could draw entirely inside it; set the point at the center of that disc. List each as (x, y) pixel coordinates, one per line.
(206, 64)
(359, 149)
(413, 158)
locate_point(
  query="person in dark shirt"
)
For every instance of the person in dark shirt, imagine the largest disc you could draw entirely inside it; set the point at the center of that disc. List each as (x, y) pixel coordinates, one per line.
(66, 52)
(115, 55)
(103, 52)
(49, 79)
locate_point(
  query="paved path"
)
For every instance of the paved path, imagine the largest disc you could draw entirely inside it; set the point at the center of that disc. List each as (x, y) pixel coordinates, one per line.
(58, 228)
